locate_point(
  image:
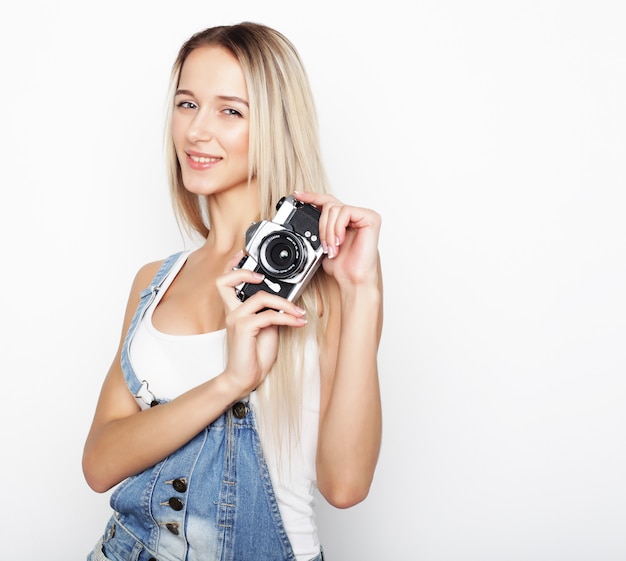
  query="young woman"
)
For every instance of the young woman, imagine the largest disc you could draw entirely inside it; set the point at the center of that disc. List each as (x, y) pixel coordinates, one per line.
(220, 417)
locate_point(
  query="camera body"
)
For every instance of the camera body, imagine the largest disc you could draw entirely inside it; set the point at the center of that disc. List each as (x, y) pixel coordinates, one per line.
(287, 250)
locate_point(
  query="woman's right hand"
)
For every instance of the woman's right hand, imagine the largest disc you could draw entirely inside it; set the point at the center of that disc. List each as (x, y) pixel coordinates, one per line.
(252, 328)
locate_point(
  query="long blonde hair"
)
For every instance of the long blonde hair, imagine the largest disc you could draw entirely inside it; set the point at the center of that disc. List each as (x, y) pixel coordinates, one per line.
(284, 156)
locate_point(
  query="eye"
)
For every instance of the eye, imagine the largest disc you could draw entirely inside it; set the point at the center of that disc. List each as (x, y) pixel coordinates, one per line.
(187, 105)
(232, 112)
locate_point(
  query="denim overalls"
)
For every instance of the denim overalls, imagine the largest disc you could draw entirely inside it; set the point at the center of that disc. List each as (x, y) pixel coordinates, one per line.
(211, 500)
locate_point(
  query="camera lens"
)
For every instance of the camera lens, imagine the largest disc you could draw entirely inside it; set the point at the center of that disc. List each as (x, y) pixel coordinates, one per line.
(282, 254)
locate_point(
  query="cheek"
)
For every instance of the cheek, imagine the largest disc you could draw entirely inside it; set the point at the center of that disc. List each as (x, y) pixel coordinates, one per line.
(177, 133)
(238, 142)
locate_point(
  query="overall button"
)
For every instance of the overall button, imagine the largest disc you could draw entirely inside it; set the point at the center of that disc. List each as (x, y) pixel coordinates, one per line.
(176, 503)
(179, 485)
(240, 410)
(172, 527)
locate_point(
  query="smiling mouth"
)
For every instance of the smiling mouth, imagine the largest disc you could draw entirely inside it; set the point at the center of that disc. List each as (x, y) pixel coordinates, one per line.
(203, 160)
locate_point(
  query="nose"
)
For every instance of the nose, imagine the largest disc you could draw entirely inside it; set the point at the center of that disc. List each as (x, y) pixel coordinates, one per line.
(201, 127)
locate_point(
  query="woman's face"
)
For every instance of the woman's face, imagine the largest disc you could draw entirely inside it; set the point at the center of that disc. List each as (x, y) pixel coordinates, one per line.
(211, 121)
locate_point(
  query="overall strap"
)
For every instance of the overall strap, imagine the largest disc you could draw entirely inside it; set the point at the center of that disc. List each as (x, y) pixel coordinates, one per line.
(139, 388)
(164, 269)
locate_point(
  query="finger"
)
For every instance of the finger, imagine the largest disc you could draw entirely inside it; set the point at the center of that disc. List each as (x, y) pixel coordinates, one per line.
(253, 316)
(317, 199)
(328, 228)
(263, 301)
(227, 285)
(273, 318)
(233, 277)
(353, 218)
(343, 219)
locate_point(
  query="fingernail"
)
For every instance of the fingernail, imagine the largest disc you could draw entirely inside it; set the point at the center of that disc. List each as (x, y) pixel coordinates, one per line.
(259, 276)
(300, 310)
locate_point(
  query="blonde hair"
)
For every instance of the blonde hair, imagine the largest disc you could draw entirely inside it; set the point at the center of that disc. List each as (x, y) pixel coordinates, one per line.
(284, 156)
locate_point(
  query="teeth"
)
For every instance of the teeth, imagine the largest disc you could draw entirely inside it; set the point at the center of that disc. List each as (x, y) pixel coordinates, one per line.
(202, 160)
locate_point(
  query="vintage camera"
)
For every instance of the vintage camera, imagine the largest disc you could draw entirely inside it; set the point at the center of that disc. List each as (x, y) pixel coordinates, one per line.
(287, 250)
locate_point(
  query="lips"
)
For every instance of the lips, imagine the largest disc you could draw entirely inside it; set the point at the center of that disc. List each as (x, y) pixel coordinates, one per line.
(202, 161)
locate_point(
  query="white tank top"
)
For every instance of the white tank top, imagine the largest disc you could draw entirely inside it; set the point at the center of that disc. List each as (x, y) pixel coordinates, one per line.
(174, 364)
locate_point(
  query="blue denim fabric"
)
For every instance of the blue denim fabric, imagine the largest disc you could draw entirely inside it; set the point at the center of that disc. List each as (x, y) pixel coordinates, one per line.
(211, 500)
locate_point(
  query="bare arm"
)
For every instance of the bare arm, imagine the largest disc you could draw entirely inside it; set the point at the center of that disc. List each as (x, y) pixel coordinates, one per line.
(350, 415)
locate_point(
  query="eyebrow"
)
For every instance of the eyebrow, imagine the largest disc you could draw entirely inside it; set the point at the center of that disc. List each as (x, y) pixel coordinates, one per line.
(222, 97)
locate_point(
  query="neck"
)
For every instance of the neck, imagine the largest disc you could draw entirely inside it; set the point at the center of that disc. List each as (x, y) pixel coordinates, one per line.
(231, 214)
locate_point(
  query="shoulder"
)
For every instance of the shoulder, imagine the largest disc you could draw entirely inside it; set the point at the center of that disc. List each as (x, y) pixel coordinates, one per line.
(155, 270)
(146, 273)
(150, 273)
(142, 280)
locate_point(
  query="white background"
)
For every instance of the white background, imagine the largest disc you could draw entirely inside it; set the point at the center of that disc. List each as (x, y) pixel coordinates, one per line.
(490, 136)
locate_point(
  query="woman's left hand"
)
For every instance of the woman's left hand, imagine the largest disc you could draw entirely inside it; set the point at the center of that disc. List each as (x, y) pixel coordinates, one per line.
(349, 236)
